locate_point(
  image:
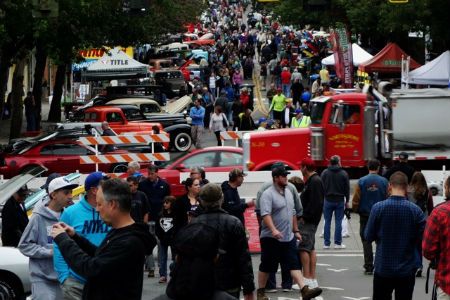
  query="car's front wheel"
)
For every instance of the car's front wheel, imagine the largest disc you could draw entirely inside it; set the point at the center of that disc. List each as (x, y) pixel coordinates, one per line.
(182, 141)
(9, 289)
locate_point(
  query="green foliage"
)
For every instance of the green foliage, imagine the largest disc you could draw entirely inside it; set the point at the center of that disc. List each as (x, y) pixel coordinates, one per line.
(378, 21)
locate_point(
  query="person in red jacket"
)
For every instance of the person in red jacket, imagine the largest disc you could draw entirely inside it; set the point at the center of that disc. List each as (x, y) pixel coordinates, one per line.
(286, 82)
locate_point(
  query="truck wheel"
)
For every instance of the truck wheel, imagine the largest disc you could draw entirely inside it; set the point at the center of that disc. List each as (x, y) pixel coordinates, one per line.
(10, 289)
(434, 191)
(182, 141)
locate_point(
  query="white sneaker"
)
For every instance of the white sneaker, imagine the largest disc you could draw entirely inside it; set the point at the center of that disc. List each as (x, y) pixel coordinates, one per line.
(295, 287)
(327, 247)
(314, 284)
(308, 282)
(346, 235)
(271, 290)
(321, 235)
(342, 246)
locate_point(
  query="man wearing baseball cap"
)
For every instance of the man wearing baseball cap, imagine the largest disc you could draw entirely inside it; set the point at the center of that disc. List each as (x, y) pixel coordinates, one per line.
(86, 221)
(37, 243)
(401, 166)
(300, 120)
(233, 269)
(279, 233)
(312, 202)
(233, 203)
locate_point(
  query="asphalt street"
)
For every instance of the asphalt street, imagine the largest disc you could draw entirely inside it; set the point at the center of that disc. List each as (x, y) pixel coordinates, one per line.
(339, 272)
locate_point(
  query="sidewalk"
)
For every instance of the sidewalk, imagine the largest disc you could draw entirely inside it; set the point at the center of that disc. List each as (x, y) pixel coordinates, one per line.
(5, 125)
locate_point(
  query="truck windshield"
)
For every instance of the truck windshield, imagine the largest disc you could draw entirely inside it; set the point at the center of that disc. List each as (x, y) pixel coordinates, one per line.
(317, 109)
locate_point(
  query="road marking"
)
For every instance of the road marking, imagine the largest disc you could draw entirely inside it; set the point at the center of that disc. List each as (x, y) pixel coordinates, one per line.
(323, 265)
(351, 298)
(337, 270)
(340, 255)
(331, 288)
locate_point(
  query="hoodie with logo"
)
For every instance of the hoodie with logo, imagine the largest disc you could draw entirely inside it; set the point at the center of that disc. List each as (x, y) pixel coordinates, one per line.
(87, 223)
(113, 269)
(36, 243)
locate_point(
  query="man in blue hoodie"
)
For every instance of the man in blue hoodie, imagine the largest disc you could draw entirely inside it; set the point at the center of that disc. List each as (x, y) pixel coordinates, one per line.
(337, 194)
(87, 223)
(36, 241)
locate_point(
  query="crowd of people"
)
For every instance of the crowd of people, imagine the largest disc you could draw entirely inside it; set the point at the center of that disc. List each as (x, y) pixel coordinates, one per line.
(256, 47)
(76, 250)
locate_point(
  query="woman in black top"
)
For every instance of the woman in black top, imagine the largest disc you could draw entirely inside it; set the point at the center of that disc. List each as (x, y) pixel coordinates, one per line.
(186, 204)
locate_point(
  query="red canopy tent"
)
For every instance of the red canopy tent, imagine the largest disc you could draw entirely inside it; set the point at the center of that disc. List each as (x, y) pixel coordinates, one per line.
(388, 60)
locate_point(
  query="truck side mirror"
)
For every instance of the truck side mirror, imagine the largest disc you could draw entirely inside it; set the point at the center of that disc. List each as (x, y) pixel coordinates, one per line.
(340, 115)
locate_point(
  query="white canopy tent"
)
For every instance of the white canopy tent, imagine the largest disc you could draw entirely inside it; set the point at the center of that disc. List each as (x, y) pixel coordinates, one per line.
(436, 72)
(115, 64)
(359, 56)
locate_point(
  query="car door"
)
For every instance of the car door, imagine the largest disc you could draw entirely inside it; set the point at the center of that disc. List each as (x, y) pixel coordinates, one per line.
(64, 158)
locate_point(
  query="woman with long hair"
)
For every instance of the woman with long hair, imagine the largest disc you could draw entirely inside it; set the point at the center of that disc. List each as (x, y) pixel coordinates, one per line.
(187, 204)
(217, 123)
(419, 194)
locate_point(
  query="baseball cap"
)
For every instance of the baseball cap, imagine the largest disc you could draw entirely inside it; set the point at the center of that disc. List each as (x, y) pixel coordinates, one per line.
(403, 155)
(236, 173)
(60, 183)
(262, 120)
(211, 192)
(49, 179)
(307, 162)
(94, 179)
(279, 171)
(298, 110)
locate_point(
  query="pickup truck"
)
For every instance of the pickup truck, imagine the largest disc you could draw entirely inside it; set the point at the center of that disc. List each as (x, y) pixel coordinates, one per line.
(128, 118)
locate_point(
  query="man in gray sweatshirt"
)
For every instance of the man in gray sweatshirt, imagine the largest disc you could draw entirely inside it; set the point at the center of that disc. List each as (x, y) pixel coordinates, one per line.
(37, 243)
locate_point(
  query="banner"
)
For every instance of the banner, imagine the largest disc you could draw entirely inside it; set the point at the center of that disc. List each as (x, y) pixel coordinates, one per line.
(343, 56)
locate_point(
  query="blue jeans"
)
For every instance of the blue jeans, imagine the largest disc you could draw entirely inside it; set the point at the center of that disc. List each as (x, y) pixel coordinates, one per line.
(328, 208)
(162, 256)
(286, 90)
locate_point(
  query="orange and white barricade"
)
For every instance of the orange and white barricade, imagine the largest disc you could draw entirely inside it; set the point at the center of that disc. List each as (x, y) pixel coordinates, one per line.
(120, 158)
(123, 140)
(231, 135)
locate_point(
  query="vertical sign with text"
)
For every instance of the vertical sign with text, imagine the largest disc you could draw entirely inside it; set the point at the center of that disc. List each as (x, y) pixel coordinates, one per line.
(343, 56)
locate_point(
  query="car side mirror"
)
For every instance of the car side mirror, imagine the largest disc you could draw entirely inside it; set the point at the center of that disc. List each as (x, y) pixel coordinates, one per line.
(180, 167)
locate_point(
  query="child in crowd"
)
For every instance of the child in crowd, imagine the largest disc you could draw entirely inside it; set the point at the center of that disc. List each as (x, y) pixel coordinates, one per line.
(165, 229)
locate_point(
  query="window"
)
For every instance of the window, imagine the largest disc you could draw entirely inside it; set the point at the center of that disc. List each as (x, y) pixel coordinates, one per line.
(317, 109)
(133, 114)
(205, 159)
(351, 115)
(114, 117)
(150, 108)
(230, 159)
(64, 149)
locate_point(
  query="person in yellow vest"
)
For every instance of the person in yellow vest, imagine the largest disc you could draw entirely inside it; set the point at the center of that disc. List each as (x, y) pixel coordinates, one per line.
(300, 121)
(278, 105)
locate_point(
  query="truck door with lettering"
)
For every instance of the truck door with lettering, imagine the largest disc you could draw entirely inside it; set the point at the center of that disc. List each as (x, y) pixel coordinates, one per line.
(344, 132)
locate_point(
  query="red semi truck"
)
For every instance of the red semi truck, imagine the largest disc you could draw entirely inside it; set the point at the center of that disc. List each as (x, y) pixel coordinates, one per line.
(359, 127)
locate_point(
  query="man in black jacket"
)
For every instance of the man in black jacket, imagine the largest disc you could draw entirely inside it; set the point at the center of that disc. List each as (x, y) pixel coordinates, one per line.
(401, 166)
(234, 267)
(14, 218)
(232, 203)
(114, 269)
(337, 194)
(312, 202)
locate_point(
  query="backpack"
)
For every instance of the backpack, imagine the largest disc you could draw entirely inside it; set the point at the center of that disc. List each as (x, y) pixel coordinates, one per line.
(196, 246)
